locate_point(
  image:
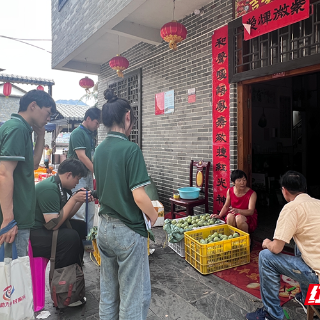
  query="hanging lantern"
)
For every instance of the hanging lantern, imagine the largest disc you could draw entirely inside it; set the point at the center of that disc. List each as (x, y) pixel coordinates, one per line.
(173, 32)
(119, 64)
(40, 88)
(7, 89)
(86, 83)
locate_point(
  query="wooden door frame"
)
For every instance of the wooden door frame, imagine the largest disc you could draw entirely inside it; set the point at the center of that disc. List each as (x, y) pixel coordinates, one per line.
(245, 115)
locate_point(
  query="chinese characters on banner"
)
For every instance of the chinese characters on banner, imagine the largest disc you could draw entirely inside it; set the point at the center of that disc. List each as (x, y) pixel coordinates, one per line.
(220, 118)
(274, 16)
(242, 7)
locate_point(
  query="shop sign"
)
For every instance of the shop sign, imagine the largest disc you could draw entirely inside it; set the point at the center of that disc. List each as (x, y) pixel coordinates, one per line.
(243, 7)
(220, 118)
(273, 16)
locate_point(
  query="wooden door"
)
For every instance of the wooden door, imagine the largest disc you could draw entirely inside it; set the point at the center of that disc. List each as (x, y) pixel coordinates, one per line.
(245, 130)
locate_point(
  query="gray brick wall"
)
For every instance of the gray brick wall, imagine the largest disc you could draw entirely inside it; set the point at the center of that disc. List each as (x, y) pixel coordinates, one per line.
(8, 106)
(170, 141)
(77, 21)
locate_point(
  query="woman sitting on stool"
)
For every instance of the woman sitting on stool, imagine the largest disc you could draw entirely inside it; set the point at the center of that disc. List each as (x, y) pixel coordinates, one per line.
(240, 204)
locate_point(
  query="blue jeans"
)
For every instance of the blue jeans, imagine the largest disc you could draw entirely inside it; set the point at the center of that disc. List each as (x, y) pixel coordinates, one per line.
(81, 213)
(22, 241)
(125, 288)
(271, 266)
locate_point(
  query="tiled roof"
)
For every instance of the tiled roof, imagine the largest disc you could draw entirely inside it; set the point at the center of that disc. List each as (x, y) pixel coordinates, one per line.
(26, 80)
(71, 111)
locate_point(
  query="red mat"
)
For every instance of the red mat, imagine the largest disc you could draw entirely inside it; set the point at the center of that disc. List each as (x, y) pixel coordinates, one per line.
(247, 278)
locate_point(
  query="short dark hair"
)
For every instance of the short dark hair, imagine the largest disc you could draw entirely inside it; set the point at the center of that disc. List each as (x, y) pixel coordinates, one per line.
(294, 182)
(238, 174)
(94, 113)
(75, 166)
(46, 145)
(114, 110)
(42, 98)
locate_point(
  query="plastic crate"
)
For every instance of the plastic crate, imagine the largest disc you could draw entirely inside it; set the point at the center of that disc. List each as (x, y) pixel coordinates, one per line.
(178, 247)
(96, 253)
(216, 256)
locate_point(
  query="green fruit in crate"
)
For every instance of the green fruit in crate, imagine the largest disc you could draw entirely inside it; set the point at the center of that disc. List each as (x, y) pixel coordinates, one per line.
(230, 237)
(174, 221)
(235, 235)
(216, 239)
(215, 234)
(220, 235)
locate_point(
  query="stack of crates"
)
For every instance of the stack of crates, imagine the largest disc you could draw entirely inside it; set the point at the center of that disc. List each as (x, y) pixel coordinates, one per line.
(216, 256)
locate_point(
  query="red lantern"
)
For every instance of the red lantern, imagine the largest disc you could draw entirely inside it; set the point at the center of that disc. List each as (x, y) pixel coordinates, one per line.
(86, 83)
(119, 64)
(40, 88)
(173, 32)
(7, 89)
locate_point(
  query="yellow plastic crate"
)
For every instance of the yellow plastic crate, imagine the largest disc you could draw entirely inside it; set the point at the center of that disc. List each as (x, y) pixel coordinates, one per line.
(216, 256)
(96, 253)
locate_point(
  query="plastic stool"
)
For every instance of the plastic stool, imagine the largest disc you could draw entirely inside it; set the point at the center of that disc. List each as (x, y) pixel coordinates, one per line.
(38, 275)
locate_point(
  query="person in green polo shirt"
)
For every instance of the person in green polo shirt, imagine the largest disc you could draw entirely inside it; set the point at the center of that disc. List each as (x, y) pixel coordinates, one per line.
(18, 161)
(82, 146)
(54, 198)
(121, 175)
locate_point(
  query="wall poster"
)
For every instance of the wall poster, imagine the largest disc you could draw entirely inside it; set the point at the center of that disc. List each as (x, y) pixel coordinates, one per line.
(164, 102)
(220, 118)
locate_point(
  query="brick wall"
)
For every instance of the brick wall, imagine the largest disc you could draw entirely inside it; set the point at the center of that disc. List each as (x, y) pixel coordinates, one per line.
(8, 106)
(170, 141)
(77, 21)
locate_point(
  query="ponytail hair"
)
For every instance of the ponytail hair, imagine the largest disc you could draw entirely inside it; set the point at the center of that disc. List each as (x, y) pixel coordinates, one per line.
(114, 110)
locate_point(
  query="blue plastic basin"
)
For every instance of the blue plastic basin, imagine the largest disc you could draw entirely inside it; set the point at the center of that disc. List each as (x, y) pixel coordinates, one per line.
(189, 193)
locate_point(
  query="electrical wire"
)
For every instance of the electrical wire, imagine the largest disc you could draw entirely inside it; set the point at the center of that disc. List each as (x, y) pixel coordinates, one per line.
(32, 45)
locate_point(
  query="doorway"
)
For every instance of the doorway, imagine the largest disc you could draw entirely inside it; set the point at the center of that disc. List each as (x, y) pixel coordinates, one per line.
(285, 134)
(278, 131)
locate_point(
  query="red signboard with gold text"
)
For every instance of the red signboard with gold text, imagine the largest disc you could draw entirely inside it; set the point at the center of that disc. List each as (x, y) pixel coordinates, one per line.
(220, 118)
(274, 16)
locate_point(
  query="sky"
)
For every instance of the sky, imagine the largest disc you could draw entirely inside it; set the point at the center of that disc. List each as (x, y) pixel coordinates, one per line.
(31, 19)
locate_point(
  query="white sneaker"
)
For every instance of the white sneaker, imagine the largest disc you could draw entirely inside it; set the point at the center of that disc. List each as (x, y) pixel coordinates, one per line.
(78, 303)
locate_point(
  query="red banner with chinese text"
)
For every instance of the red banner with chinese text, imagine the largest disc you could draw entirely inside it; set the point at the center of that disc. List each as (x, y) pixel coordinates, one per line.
(220, 118)
(243, 7)
(274, 16)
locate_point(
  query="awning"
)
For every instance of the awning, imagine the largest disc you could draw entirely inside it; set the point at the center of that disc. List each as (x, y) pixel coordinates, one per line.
(50, 127)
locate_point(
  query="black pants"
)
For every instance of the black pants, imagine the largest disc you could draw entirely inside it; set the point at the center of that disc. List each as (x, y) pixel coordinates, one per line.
(69, 244)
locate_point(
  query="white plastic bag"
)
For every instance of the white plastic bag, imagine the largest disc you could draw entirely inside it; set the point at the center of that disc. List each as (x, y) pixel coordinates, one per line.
(16, 298)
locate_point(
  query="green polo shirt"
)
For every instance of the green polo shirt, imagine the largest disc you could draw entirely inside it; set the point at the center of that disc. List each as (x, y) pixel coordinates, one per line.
(81, 138)
(16, 145)
(47, 200)
(119, 168)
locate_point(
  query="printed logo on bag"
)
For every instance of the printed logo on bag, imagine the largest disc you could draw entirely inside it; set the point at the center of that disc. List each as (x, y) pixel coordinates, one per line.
(7, 294)
(8, 291)
(313, 295)
(62, 283)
